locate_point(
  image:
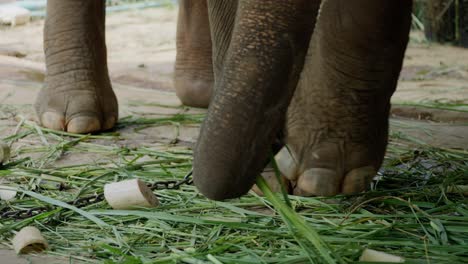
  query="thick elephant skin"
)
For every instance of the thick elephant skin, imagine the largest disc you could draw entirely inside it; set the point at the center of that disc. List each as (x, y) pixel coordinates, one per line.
(315, 75)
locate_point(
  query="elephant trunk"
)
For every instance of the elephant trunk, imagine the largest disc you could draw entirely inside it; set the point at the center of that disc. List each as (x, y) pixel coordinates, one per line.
(261, 70)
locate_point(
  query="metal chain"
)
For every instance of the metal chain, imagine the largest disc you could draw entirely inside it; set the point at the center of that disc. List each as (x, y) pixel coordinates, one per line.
(92, 199)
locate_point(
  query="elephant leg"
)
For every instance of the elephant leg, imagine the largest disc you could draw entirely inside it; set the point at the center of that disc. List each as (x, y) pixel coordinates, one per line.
(222, 16)
(337, 123)
(193, 74)
(260, 72)
(77, 96)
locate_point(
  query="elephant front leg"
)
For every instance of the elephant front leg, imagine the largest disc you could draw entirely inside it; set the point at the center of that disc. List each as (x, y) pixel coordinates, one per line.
(77, 96)
(193, 73)
(337, 124)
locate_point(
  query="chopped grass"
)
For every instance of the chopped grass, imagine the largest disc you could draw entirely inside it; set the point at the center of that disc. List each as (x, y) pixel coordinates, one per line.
(414, 209)
(452, 106)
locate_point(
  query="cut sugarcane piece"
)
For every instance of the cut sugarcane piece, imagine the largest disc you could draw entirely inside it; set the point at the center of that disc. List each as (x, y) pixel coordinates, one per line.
(286, 164)
(370, 255)
(272, 181)
(463, 189)
(7, 193)
(129, 194)
(4, 152)
(29, 239)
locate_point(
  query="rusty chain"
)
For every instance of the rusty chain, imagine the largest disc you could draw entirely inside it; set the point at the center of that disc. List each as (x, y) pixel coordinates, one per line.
(91, 199)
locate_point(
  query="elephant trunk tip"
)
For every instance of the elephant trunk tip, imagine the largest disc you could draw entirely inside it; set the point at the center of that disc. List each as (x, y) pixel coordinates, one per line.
(220, 184)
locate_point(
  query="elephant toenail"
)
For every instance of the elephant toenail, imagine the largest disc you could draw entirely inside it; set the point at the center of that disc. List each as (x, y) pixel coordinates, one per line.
(286, 164)
(319, 181)
(84, 124)
(109, 123)
(53, 120)
(358, 180)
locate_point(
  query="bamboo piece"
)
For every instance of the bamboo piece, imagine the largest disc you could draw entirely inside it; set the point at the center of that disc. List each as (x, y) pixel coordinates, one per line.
(286, 164)
(7, 193)
(29, 239)
(129, 194)
(273, 183)
(463, 189)
(370, 255)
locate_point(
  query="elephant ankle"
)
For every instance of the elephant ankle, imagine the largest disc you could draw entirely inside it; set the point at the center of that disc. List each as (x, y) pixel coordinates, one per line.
(193, 92)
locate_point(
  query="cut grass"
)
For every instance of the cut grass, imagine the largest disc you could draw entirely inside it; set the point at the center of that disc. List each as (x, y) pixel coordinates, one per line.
(413, 209)
(440, 104)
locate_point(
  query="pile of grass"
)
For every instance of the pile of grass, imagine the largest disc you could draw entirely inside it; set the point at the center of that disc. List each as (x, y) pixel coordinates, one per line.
(414, 210)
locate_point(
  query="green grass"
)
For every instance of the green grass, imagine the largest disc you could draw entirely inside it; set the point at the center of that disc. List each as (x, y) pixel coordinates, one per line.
(452, 106)
(409, 211)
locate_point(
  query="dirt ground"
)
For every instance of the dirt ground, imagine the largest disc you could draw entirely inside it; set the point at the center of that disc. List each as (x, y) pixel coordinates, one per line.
(431, 102)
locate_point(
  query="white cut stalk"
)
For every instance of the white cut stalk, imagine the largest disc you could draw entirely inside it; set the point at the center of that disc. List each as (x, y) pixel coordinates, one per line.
(286, 164)
(29, 239)
(463, 189)
(370, 255)
(272, 181)
(7, 193)
(4, 152)
(129, 194)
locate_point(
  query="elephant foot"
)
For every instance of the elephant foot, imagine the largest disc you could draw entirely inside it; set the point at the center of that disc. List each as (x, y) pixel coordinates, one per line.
(337, 122)
(326, 180)
(193, 91)
(77, 96)
(77, 109)
(193, 73)
(336, 134)
(328, 168)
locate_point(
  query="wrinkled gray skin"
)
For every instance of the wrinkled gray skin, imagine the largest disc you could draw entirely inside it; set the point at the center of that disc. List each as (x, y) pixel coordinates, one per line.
(328, 93)
(78, 95)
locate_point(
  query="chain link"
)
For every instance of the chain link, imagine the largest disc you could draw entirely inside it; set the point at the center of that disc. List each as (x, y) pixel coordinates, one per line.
(91, 199)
